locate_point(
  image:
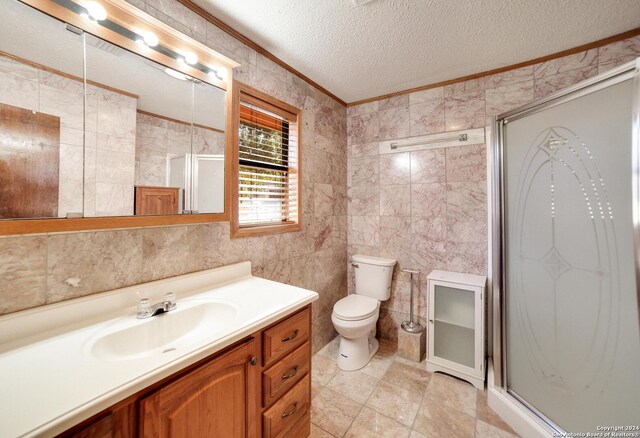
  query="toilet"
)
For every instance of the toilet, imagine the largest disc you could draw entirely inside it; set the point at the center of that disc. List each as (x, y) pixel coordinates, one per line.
(355, 315)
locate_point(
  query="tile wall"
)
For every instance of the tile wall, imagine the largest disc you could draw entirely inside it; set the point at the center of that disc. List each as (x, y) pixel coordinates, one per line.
(36, 270)
(428, 209)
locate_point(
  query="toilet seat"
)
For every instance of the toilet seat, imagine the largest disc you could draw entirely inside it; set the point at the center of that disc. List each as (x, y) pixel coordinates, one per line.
(355, 307)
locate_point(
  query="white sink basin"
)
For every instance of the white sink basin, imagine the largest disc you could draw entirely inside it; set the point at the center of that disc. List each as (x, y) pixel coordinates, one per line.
(164, 333)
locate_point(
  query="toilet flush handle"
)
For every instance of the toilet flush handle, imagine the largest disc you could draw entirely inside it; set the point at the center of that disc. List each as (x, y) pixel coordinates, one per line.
(355, 265)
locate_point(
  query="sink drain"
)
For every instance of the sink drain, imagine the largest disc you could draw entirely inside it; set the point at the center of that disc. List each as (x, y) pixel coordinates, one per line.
(168, 350)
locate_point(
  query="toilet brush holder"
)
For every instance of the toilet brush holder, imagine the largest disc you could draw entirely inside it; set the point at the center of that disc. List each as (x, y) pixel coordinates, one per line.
(411, 326)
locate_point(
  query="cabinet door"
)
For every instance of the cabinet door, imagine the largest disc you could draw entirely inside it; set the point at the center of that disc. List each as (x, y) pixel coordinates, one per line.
(455, 327)
(219, 399)
(156, 200)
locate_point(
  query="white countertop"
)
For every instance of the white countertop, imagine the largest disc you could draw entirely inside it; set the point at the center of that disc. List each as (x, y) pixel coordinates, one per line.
(50, 380)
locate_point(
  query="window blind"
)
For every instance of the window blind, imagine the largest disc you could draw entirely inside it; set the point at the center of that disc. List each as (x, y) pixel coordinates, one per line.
(268, 157)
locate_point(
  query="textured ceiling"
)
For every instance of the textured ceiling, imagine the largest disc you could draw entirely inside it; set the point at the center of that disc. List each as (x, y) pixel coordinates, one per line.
(357, 52)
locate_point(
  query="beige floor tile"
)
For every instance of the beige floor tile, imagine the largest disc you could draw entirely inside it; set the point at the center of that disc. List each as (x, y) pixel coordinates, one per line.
(415, 434)
(451, 393)
(397, 403)
(372, 424)
(486, 414)
(407, 376)
(317, 432)
(323, 369)
(436, 421)
(356, 385)
(333, 412)
(377, 366)
(315, 389)
(331, 349)
(486, 430)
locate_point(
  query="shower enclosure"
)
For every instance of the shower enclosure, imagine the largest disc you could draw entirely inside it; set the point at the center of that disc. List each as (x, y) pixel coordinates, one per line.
(566, 235)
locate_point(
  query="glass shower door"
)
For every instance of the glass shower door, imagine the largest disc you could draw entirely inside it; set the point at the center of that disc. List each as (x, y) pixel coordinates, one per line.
(571, 311)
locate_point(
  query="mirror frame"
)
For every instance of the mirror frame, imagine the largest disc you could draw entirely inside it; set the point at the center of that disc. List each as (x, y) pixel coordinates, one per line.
(130, 17)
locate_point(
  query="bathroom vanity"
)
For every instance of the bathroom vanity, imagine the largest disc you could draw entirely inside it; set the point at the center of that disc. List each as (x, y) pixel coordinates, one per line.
(233, 359)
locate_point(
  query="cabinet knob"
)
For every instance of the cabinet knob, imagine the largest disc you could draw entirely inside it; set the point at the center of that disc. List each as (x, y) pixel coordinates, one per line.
(253, 361)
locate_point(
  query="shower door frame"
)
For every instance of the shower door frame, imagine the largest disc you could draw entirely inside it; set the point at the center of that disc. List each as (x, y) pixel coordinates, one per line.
(497, 256)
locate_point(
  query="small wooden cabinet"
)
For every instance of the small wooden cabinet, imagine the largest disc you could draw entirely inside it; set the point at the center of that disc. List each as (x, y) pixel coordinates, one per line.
(156, 200)
(456, 325)
(259, 387)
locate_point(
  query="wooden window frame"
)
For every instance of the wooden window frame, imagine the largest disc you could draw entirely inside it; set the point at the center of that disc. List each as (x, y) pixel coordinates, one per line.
(245, 93)
(129, 16)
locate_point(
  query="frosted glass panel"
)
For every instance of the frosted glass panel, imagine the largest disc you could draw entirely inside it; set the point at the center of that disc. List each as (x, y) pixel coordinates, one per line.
(573, 344)
(454, 342)
(454, 334)
(455, 306)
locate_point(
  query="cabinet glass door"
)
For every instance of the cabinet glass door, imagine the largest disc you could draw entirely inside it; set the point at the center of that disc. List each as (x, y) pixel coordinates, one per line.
(454, 325)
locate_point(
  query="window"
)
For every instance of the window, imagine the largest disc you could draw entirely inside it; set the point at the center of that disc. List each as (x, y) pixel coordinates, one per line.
(268, 183)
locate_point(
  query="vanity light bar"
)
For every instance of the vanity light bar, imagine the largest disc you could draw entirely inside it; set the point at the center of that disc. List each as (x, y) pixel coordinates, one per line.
(148, 38)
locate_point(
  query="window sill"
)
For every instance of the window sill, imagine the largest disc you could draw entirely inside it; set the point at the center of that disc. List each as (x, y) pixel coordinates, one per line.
(264, 230)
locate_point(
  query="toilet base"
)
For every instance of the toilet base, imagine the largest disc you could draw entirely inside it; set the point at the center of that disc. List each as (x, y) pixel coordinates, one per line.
(356, 353)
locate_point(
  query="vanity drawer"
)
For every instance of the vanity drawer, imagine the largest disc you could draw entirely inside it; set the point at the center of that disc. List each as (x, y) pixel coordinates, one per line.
(285, 336)
(288, 412)
(283, 375)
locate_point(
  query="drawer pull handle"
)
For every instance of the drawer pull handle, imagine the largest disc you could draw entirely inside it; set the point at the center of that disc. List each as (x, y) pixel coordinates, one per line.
(291, 373)
(253, 361)
(292, 411)
(292, 337)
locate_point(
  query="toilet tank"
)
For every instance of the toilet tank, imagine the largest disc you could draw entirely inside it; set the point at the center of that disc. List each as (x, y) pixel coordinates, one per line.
(373, 276)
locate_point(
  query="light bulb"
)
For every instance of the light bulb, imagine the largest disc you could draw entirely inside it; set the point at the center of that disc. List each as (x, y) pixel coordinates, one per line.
(150, 39)
(190, 58)
(175, 74)
(96, 11)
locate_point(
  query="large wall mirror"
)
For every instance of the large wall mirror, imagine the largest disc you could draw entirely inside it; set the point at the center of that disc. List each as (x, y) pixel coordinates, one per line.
(90, 129)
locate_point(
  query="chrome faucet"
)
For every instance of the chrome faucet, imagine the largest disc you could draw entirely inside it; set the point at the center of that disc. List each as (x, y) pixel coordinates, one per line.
(146, 310)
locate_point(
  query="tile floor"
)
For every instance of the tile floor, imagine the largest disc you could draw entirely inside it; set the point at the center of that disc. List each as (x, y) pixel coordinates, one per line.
(394, 397)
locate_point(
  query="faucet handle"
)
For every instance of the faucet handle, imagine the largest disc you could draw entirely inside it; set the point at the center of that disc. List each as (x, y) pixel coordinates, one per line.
(170, 296)
(144, 308)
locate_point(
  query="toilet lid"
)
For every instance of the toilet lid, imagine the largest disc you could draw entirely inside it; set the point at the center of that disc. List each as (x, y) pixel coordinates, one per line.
(354, 307)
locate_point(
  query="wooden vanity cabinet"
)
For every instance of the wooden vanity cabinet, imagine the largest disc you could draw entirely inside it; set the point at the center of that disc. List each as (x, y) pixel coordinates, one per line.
(218, 399)
(258, 387)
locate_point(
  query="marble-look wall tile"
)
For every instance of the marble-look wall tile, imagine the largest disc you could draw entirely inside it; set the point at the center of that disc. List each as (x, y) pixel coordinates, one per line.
(428, 166)
(364, 200)
(549, 84)
(465, 111)
(81, 264)
(629, 47)
(395, 168)
(170, 251)
(393, 123)
(556, 66)
(428, 200)
(510, 77)
(426, 117)
(363, 171)
(466, 163)
(467, 200)
(430, 94)
(395, 200)
(23, 272)
(364, 230)
(363, 128)
(507, 97)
